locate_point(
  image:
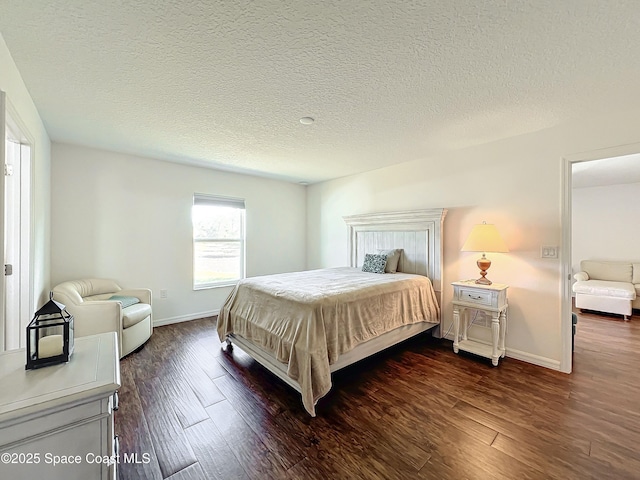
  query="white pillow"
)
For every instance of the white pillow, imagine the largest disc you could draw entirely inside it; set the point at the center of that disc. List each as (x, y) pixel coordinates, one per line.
(393, 257)
(581, 276)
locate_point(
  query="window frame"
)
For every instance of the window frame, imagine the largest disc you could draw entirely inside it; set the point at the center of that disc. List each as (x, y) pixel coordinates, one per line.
(220, 201)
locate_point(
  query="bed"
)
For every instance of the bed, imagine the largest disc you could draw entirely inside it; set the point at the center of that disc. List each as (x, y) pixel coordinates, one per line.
(302, 326)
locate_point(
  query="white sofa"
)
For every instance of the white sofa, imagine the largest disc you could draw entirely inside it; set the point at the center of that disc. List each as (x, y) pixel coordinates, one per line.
(612, 287)
(89, 302)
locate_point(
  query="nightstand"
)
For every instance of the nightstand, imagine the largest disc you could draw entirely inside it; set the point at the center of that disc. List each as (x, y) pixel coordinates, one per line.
(491, 299)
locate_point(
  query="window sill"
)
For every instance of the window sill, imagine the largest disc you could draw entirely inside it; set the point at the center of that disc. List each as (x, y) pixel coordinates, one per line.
(216, 285)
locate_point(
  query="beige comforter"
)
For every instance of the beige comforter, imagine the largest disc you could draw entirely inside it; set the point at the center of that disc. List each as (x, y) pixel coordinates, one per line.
(307, 319)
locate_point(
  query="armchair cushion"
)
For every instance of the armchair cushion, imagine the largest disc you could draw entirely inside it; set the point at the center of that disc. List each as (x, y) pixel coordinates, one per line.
(87, 289)
(135, 314)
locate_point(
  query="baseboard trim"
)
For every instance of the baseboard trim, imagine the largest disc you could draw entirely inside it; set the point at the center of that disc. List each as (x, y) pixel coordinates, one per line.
(527, 357)
(535, 359)
(184, 318)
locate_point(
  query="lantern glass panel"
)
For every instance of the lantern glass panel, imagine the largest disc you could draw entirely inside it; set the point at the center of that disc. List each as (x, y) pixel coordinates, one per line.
(49, 336)
(71, 334)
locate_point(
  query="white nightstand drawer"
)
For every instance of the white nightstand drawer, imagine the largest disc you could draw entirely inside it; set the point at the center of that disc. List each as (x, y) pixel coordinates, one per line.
(475, 296)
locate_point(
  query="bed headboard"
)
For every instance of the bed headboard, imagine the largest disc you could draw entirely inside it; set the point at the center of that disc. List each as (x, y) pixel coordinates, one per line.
(418, 233)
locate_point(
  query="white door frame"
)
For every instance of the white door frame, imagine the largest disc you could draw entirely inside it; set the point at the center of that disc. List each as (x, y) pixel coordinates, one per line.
(12, 245)
(11, 121)
(27, 304)
(2, 161)
(568, 161)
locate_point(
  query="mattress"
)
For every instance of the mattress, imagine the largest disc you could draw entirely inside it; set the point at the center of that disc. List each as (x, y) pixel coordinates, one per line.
(306, 320)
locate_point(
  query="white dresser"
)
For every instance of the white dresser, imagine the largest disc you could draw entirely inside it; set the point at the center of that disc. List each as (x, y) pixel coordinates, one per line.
(57, 422)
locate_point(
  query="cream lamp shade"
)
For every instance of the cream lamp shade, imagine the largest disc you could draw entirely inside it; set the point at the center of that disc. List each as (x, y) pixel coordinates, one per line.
(484, 238)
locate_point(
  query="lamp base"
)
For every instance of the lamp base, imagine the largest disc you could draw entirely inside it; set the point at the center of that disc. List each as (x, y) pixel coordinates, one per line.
(483, 264)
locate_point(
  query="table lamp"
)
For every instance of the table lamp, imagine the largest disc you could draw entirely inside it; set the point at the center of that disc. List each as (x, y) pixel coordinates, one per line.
(484, 238)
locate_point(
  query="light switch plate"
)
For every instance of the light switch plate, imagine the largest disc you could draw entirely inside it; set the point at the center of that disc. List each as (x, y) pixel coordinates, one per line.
(549, 251)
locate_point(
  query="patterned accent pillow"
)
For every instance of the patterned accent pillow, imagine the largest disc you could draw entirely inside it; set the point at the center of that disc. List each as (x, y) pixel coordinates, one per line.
(374, 263)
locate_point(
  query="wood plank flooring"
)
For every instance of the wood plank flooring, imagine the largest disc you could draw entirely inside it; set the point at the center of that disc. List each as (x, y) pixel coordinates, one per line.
(192, 411)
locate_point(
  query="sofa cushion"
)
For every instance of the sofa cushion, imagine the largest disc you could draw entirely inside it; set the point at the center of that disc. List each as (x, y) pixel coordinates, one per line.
(636, 273)
(612, 271)
(605, 288)
(135, 314)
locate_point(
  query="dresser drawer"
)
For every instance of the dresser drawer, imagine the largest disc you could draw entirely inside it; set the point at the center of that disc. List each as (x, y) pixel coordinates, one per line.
(47, 421)
(480, 297)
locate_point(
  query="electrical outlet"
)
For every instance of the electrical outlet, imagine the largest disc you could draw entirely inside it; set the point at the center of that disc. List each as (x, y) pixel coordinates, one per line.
(163, 293)
(547, 251)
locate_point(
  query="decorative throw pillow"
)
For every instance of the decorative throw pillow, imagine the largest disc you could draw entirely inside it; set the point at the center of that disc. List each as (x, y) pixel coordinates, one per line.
(124, 300)
(393, 257)
(374, 263)
(581, 276)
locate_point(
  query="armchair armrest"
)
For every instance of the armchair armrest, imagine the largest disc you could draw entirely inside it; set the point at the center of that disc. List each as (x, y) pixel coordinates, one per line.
(581, 276)
(99, 316)
(142, 294)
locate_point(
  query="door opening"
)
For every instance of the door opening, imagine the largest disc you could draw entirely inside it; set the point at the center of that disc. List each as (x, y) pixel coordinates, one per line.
(16, 233)
(567, 240)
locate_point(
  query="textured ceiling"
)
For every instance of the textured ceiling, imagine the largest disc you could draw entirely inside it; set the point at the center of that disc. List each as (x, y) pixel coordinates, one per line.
(225, 83)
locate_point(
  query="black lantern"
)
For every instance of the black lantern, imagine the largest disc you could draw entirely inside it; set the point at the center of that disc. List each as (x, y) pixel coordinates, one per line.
(49, 336)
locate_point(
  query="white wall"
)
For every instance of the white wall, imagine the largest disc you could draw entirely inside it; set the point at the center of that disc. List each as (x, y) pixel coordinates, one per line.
(515, 183)
(20, 103)
(129, 218)
(605, 223)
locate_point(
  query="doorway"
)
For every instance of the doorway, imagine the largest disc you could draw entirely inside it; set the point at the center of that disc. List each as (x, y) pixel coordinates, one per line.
(16, 230)
(567, 238)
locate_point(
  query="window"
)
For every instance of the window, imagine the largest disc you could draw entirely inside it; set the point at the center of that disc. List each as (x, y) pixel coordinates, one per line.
(218, 241)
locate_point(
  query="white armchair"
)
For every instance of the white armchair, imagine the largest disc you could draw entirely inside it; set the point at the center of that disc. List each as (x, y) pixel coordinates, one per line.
(89, 302)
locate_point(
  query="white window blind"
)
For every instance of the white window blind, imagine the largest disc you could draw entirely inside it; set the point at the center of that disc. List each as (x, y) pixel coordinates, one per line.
(212, 200)
(218, 240)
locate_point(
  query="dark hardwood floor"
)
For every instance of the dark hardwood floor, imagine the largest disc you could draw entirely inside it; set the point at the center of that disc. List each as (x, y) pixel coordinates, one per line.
(414, 411)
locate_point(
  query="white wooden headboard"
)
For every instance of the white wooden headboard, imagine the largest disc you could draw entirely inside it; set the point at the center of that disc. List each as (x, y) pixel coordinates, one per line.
(418, 233)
